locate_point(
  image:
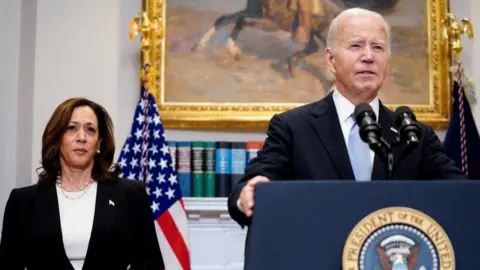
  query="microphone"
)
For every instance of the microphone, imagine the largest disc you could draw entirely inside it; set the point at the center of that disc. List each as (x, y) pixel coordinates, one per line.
(370, 130)
(371, 133)
(408, 129)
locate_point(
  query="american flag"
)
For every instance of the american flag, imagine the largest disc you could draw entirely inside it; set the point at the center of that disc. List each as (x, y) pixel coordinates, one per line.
(145, 156)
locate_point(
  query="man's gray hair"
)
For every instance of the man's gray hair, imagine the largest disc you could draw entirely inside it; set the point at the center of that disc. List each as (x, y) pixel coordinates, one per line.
(333, 29)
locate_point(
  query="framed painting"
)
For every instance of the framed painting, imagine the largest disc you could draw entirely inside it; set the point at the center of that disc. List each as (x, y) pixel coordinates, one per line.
(233, 64)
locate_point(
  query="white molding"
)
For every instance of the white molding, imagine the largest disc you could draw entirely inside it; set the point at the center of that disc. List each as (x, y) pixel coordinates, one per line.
(217, 241)
(193, 204)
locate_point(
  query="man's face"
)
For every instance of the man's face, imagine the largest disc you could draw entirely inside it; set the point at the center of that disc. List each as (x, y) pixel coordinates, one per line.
(361, 54)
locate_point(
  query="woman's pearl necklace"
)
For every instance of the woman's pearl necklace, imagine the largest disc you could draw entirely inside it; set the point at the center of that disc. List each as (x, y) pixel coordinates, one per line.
(65, 190)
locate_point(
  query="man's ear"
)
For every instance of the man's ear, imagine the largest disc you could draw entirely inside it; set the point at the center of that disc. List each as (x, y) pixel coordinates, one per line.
(329, 58)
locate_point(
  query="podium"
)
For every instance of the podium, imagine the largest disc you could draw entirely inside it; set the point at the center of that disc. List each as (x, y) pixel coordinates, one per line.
(420, 225)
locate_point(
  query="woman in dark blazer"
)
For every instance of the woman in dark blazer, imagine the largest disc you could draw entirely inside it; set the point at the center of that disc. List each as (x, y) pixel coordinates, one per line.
(80, 214)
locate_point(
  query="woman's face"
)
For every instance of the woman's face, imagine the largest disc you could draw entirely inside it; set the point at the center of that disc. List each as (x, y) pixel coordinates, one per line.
(80, 140)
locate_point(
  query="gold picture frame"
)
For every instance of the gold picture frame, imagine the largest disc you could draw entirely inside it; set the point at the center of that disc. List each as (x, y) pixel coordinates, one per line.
(256, 115)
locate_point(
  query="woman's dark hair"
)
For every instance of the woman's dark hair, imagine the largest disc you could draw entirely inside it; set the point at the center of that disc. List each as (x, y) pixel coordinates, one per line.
(103, 167)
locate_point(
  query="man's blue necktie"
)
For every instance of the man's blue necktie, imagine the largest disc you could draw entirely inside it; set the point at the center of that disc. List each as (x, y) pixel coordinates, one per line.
(359, 153)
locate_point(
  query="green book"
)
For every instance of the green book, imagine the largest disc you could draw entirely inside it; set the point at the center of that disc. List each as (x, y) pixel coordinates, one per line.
(209, 173)
(198, 149)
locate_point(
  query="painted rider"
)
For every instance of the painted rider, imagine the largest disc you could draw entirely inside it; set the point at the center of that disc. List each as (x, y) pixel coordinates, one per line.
(305, 9)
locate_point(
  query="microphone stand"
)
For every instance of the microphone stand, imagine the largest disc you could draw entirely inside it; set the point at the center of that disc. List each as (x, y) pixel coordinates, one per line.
(385, 151)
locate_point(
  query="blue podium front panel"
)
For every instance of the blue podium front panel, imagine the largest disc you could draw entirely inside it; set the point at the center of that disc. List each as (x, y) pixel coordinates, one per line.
(419, 225)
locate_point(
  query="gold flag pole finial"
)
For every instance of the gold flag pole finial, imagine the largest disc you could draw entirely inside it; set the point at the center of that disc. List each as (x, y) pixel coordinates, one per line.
(151, 30)
(452, 31)
(147, 28)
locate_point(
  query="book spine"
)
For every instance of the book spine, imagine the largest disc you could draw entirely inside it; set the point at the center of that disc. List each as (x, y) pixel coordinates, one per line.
(238, 162)
(172, 147)
(184, 168)
(210, 170)
(222, 169)
(197, 169)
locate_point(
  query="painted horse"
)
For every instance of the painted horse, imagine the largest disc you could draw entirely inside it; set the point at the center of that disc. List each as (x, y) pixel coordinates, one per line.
(271, 16)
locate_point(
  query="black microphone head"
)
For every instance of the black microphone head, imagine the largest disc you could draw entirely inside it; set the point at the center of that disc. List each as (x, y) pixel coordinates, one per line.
(367, 123)
(408, 128)
(361, 110)
(401, 111)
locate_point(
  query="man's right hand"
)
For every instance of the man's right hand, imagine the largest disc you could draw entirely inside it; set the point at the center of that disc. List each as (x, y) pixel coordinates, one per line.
(246, 200)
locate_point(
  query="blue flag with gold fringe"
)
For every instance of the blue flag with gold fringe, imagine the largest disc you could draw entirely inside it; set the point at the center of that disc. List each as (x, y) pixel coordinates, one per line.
(462, 141)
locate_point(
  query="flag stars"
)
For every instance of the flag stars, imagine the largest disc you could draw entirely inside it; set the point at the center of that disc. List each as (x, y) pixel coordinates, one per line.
(157, 120)
(149, 178)
(151, 163)
(164, 149)
(140, 119)
(161, 178)
(142, 104)
(170, 193)
(155, 206)
(123, 162)
(131, 176)
(136, 148)
(138, 133)
(172, 179)
(153, 149)
(146, 157)
(157, 192)
(163, 163)
(134, 163)
(126, 149)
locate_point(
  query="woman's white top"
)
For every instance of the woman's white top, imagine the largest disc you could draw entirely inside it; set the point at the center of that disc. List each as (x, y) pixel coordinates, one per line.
(76, 217)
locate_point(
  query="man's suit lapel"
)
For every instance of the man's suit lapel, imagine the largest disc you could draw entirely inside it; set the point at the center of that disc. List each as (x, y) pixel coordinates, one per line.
(49, 224)
(387, 123)
(329, 132)
(106, 205)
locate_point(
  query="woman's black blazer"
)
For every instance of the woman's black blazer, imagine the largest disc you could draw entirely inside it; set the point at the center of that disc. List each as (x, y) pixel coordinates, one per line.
(123, 234)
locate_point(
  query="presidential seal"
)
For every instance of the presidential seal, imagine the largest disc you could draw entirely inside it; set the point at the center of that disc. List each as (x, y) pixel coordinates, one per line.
(398, 238)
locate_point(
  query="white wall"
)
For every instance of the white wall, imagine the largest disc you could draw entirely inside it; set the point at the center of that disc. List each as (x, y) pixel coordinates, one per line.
(82, 49)
(52, 50)
(55, 49)
(17, 28)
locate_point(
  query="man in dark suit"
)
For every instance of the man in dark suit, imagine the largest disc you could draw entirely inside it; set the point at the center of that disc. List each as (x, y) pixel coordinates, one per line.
(321, 140)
